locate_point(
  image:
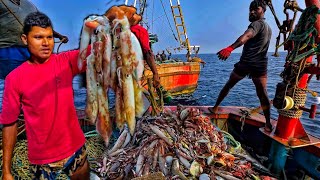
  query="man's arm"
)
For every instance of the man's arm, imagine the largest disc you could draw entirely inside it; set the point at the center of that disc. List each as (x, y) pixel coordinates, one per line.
(243, 38)
(151, 63)
(9, 133)
(225, 53)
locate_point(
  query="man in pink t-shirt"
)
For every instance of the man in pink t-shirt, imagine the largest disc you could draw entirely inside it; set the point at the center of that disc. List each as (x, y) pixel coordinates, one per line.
(42, 87)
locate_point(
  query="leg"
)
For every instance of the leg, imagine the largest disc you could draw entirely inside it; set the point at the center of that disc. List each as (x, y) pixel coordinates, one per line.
(261, 84)
(77, 167)
(82, 173)
(233, 80)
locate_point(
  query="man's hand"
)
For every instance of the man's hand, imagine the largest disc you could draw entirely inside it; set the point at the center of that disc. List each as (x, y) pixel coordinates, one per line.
(225, 53)
(156, 81)
(7, 176)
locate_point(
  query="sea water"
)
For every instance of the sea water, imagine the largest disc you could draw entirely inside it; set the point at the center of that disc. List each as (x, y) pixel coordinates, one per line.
(214, 74)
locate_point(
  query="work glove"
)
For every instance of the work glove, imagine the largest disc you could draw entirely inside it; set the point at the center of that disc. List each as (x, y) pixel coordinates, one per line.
(225, 53)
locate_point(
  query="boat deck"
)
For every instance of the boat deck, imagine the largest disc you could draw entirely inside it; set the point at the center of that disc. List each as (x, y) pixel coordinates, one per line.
(234, 112)
(247, 116)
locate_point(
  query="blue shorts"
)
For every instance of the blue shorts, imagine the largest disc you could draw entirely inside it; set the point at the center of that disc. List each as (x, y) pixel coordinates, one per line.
(242, 69)
(68, 165)
(12, 57)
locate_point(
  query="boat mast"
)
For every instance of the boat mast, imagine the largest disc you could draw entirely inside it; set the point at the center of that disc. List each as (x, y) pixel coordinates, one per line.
(181, 29)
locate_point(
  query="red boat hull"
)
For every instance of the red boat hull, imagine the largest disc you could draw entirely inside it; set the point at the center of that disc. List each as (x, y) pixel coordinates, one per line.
(178, 78)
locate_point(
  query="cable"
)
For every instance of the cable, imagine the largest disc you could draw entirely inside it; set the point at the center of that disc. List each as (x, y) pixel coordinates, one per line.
(168, 21)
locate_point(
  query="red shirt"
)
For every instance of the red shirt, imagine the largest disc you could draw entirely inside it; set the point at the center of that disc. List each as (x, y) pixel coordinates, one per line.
(143, 37)
(44, 91)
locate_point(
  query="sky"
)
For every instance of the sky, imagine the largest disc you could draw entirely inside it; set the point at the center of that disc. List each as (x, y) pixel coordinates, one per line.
(212, 24)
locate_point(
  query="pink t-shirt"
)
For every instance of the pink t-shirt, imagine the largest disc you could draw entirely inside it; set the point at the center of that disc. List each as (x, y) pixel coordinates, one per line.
(44, 91)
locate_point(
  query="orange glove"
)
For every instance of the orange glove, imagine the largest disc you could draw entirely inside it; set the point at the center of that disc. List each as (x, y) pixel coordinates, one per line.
(225, 53)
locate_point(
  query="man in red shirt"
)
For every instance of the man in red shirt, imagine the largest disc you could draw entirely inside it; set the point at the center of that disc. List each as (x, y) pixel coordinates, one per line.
(42, 87)
(143, 37)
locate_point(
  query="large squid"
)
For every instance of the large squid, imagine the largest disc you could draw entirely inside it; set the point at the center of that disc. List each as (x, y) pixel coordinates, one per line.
(140, 103)
(98, 73)
(128, 63)
(91, 75)
(130, 69)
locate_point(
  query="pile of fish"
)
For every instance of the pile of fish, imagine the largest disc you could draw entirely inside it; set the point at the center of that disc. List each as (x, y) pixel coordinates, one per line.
(181, 144)
(115, 62)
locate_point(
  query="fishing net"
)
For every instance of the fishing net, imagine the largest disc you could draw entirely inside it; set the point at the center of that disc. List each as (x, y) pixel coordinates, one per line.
(21, 165)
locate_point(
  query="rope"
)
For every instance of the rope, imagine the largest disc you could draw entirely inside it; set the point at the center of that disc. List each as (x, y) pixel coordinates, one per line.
(304, 35)
(91, 134)
(157, 106)
(290, 113)
(59, 45)
(236, 146)
(300, 97)
(301, 66)
(245, 114)
(21, 166)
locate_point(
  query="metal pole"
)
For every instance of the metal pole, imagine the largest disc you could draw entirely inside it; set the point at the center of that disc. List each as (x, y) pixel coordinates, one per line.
(126, 2)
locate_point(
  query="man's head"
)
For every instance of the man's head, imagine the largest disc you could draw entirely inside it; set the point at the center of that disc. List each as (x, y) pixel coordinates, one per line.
(38, 36)
(256, 10)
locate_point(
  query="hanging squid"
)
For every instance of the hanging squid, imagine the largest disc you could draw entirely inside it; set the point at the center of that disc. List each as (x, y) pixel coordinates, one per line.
(113, 63)
(128, 64)
(98, 73)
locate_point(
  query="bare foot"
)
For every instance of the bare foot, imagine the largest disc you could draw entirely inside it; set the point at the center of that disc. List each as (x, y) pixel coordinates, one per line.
(213, 109)
(268, 128)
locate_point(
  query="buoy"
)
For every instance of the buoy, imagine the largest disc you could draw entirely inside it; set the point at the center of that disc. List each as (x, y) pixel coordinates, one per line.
(289, 103)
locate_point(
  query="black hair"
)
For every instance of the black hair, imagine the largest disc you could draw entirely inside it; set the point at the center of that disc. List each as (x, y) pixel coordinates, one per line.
(257, 3)
(36, 19)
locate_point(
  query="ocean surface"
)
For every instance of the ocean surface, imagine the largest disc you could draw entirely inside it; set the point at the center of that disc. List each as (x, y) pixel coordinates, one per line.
(214, 74)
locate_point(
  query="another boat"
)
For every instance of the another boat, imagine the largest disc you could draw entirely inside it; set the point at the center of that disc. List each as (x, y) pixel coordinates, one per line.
(178, 77)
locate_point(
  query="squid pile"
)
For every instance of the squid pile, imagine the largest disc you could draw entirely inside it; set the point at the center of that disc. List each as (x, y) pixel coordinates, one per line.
(115, 62)
(180, 144)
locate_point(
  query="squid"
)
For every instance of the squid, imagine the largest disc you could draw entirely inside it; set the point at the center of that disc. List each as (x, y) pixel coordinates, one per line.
(140, 106)
(98, 73)
(128, 64)
(91, 75)
(103, 56)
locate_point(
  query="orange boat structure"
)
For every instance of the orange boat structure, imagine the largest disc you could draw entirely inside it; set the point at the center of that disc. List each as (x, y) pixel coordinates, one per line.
(177, 78)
